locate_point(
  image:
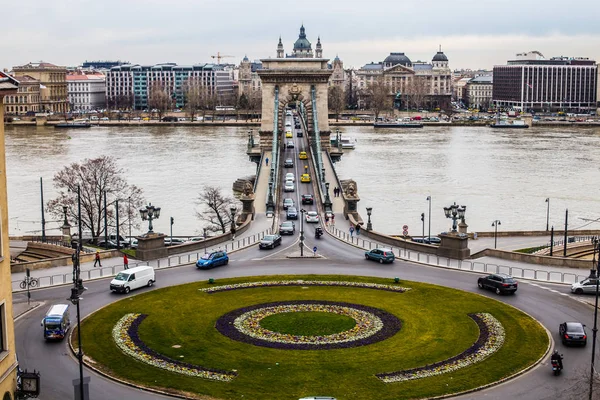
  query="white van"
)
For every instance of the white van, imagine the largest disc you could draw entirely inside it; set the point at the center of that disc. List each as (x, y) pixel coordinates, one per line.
(133, 278)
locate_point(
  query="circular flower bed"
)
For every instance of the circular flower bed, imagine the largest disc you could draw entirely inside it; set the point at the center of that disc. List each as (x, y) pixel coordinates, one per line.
(125, 334)
(249, 285)
(372, 325)
(491, 338)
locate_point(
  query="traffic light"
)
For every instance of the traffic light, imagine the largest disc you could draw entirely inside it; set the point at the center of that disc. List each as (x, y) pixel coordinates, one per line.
(172, 220)
(423, 217)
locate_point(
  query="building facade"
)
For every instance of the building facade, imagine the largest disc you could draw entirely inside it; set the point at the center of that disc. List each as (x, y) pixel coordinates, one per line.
(477, 93)
(430, 83)
(53, 85)
(130, 84)
(86, 91)
(8, 355)
(533, 83)
(248, 79)
(27, 100)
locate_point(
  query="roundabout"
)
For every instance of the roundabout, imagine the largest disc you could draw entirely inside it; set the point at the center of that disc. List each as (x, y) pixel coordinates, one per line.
(296, 336)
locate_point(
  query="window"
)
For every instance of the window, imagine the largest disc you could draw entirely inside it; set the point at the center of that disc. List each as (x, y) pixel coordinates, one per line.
(3, 339)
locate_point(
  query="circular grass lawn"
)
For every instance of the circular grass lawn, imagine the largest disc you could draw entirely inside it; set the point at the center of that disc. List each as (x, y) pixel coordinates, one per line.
(435, 326)
(308, 323)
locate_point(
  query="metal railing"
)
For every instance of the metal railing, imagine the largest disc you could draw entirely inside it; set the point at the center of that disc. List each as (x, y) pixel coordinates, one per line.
(172, 261)
(464, 265)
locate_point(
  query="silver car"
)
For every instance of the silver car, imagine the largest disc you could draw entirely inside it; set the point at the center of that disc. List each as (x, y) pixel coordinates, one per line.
(289, 186)
(585, 286)
(312, 216)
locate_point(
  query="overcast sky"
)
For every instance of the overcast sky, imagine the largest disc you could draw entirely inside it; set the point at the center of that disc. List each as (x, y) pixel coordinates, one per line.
(472, 34)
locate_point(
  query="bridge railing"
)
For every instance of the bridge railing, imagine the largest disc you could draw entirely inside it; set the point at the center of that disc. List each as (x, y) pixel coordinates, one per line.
(172, 261)
(465, 265)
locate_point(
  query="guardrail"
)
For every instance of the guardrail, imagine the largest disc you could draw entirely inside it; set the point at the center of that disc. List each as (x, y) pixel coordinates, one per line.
(172, 261)
(465, 265)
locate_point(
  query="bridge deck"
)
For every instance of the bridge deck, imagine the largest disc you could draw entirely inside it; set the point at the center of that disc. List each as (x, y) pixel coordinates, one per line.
(262, 186)
(332, 178)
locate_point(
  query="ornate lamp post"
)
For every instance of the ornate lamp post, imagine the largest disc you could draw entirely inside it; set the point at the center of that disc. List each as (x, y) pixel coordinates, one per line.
(369, 225)
(429, 218)
(150, 213)
(302, 211)
(327, 198)
(455, 212)
(233, 210)
(495, 225)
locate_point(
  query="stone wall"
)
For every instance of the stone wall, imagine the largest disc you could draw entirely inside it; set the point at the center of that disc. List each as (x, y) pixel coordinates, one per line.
(534, 259)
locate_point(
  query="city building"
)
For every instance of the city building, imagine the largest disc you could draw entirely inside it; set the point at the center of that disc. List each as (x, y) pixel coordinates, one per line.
(413, 84)
(248, 79)
(477, 93)
(53, 86)
(27, 100)
(103, 65)
(128, 86)
(8, 355)
(531, 82)
(86, 91)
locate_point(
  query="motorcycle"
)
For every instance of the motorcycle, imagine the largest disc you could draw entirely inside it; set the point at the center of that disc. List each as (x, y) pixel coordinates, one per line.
(556, 365)
(318, 232)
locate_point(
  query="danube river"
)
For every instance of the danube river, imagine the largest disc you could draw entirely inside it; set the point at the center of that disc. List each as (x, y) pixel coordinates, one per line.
(497, 174)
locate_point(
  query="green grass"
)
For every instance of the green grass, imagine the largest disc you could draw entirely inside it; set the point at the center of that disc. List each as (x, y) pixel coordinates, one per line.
(308, 323)
(435, 327)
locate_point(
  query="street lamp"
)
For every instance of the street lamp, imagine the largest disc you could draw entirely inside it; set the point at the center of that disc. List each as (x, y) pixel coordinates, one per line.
(302, 211)
(547, 213)
(423, 221)
(495, 225)
(43, 217)
(455, 212)
(327, 198)
(233, 211)
(595, 330)
(149, 213)
(429, 200)
(369, 225)
(204, 240)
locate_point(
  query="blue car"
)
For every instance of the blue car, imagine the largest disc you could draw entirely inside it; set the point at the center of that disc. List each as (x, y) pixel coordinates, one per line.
(381, 255)
(211, 260)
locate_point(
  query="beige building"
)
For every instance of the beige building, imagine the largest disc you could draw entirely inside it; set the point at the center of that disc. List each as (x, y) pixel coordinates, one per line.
(430, 81)
(477, 93)
(53, 85)
(248, 79)
(8, 355)
(26, 100)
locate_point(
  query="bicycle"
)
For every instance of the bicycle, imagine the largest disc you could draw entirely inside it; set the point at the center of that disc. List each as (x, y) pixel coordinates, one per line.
(28, 281)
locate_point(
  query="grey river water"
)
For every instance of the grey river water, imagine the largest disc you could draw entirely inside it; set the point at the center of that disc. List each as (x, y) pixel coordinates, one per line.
(497, 174)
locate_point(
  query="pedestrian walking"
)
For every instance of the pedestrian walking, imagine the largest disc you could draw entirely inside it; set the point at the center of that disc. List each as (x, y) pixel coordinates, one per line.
(326, 219)
(125, 262)
(351, 231)
(337, 189)
(357, 229)
(97, 259)
(267, 161)
(332, 219)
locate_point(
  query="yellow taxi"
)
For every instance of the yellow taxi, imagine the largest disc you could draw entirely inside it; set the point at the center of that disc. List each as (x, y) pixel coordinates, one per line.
(302, 155)
(305, 178)
(288, 134)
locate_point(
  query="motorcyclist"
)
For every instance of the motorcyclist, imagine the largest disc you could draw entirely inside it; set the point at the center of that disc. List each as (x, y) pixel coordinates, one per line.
(556, 357)
(318, 231)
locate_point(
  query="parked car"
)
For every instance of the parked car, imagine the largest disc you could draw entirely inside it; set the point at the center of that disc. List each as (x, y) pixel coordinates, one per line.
(169, 119)
(211, 260)
(572, 333)
(433, 240)
(288, 203)
(104, 119)
(312, 217)
(289, 186)
(290, 177)
(308, 199)
(585, 286)
(291, 213)
(270, 241)
(110, 244)
(500, 283)
(380, 254)
(287, 228)
(173, 242)
(288, 163)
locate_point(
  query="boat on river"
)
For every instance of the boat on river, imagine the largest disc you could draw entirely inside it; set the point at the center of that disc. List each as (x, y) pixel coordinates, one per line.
(78, 123)
(347, 143)
(398, 124)
(508, 124)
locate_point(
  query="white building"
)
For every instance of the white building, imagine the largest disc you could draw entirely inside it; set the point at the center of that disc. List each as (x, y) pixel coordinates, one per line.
(86, 91)
(478, 92)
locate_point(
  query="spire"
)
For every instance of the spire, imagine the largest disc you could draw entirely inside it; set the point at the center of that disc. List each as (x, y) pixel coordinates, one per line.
(280, 48)
(302, 33)
(319, 48)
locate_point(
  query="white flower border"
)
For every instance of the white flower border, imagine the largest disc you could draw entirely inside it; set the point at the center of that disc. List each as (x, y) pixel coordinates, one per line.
(367, 324)
(125, 343)
(248, 285)
(493, 344)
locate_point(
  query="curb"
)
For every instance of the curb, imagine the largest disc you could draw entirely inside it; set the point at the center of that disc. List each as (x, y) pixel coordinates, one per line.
(23, 313)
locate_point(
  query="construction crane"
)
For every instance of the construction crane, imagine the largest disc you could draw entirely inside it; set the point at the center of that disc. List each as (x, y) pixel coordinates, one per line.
(219, 56)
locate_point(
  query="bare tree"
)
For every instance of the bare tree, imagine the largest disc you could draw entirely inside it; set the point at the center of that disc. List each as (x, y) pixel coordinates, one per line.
(215, 209)
(94, 177)
(255, 102)
(417, 91)
(193, 96)
(159, 99)
(380, 99)
(337, 100)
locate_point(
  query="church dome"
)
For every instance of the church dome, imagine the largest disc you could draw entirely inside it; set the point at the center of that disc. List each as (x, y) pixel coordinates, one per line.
(302, 43)
(397, 58)
(440, 56)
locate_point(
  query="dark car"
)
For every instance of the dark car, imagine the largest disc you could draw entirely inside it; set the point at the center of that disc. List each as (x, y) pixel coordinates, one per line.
(288, 163)
(270, 241)
(572, 333)
(288, 203)
(291, 213)
(308, 199)
(433, 240)
(381, 255)
(287, 228)
(111, 244)
(170, 119)
(500, 283)
(211, 260)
